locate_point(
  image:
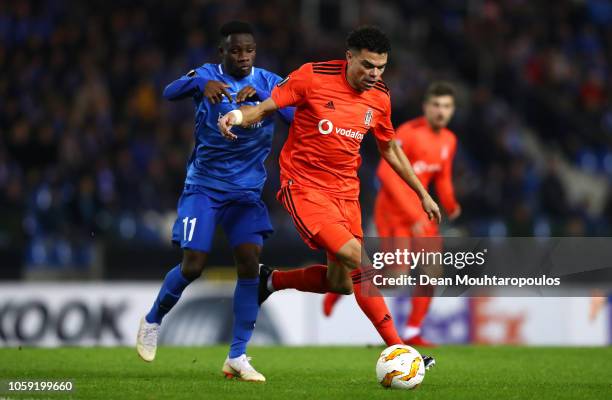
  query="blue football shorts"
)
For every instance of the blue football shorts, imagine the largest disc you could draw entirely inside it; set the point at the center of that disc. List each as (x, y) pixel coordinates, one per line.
(242, 215)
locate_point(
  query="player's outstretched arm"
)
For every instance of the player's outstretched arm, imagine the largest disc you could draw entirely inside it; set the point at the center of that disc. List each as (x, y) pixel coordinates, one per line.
(245, 116)
(393, 154)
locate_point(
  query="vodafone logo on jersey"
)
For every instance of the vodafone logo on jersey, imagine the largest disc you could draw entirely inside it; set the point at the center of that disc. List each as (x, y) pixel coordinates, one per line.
(326, 127)
(420, 167)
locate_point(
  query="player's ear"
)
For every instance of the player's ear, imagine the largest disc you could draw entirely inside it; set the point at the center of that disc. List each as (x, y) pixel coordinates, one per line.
(349, 55)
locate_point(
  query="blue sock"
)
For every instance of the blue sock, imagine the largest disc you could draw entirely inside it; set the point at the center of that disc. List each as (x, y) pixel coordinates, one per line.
(245, 314)
(169, 294)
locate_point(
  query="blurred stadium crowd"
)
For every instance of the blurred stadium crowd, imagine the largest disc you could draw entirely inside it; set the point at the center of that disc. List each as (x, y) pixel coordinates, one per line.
(89, 148)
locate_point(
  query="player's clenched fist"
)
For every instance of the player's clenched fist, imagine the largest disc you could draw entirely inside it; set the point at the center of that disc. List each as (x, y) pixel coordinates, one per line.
(431, 209)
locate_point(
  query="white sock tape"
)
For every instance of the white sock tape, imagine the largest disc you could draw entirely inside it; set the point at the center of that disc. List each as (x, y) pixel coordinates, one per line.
(237, 117)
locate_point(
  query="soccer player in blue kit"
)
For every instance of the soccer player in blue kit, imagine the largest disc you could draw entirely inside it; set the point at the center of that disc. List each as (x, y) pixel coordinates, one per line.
(223, 187)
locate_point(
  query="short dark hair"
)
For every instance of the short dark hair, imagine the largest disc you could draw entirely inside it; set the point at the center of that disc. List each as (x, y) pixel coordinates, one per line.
(370, 38)
(439, 88)
(233, 27)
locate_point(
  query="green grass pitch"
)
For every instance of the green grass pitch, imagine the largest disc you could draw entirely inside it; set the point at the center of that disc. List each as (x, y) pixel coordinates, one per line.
(463, 372)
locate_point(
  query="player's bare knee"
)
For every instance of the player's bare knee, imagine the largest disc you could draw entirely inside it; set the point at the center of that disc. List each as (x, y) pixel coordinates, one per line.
(342, 287)
(193, 264)
(247, 269)
(346, 288)
(246, 258)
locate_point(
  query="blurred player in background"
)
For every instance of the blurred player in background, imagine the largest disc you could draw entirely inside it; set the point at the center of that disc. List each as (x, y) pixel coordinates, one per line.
(223, 187)
(430, 147)
(598, 302)
(337, 102)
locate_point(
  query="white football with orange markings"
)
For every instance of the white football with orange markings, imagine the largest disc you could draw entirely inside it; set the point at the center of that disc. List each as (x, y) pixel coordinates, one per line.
(400, 367)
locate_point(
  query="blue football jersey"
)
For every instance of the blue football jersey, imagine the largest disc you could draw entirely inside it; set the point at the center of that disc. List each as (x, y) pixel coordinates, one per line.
(217, 163)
